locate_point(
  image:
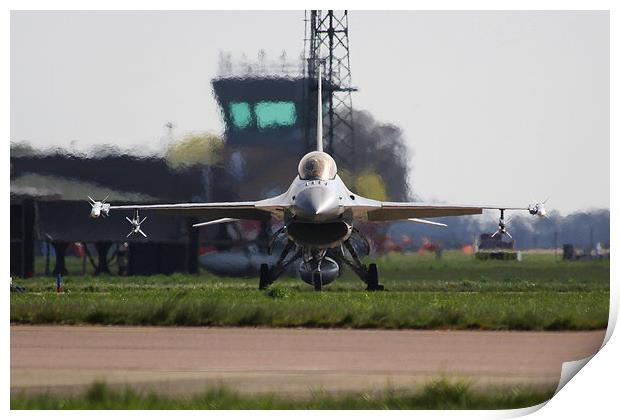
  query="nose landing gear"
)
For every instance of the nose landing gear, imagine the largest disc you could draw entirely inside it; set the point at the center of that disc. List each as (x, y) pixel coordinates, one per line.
(317, 281)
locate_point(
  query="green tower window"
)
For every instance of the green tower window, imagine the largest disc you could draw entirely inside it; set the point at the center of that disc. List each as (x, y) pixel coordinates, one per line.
(240, 114)
(273, 114)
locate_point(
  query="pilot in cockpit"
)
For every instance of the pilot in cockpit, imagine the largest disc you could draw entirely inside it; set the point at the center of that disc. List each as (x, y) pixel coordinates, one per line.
(317, 165)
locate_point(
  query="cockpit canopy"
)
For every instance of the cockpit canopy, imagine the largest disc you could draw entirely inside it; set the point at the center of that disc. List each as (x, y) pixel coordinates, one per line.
(317, 165)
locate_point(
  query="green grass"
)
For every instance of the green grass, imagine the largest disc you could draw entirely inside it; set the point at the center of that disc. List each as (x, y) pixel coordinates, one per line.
(456, 292)
(440, 394)
(230, 307)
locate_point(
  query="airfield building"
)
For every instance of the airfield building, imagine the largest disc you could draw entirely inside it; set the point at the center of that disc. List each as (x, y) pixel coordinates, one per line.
(49, 212)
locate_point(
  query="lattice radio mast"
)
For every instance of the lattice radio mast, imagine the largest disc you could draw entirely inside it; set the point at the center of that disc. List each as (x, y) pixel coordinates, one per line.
(329, 43)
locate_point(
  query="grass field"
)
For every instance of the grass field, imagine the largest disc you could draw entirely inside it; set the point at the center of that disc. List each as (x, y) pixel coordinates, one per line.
(456, 292)
(440, 394)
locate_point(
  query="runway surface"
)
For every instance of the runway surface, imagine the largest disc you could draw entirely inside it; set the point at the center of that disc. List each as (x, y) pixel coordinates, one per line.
(185, 360)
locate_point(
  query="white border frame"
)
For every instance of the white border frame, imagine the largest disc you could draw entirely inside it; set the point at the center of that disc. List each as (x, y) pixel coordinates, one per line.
(593, 393)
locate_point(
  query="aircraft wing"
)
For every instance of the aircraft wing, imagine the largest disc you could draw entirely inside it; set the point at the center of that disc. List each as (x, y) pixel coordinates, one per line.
(241, 210)
(387, 211)
(208, 211)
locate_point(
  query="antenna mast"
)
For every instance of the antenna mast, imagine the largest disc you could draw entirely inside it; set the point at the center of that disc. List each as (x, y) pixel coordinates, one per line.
(329, 44)
(319, 120)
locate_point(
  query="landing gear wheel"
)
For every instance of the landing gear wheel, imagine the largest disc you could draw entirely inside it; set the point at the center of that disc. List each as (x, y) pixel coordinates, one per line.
(317, 281)
(372, 279)
(265, 277)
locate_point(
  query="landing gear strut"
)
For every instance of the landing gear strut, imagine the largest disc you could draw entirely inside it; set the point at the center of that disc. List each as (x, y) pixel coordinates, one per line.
(269, 275)
(265, 277)
(317, 281)
(372, 279)
(369, 275)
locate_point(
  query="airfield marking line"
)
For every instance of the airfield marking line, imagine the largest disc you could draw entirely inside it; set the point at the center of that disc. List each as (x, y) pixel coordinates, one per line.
(291, 360)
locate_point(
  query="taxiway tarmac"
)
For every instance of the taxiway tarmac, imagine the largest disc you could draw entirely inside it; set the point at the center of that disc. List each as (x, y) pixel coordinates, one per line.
(185, 360)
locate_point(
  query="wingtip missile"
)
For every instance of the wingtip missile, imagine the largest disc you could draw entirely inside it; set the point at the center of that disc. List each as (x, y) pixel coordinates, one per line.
(538, 209)
(98, 208)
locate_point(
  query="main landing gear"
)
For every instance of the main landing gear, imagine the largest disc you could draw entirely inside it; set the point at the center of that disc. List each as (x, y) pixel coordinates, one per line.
(372, 279)
(368, 274)
(265, 277)
(269, 274)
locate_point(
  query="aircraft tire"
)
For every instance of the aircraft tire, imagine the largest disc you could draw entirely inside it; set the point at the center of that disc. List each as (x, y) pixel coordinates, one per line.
(265, 278)
(372, 279)
(317, 281)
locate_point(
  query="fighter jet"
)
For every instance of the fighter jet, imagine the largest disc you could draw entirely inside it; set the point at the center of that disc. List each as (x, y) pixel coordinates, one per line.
(319, 214)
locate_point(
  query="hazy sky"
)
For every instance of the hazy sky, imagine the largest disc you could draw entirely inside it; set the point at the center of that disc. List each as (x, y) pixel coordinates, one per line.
(496, 107)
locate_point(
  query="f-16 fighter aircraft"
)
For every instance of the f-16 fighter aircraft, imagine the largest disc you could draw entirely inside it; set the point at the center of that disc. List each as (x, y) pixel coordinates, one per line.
(319, 214)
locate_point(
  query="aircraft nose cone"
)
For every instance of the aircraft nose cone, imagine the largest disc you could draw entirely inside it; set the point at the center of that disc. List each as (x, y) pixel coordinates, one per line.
(317, 202)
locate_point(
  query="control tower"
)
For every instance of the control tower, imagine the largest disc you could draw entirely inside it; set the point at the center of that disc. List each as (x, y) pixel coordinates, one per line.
(265, 121)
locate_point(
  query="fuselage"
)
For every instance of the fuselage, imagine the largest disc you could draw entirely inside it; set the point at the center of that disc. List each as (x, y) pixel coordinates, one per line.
(316, 217)
(318, 212)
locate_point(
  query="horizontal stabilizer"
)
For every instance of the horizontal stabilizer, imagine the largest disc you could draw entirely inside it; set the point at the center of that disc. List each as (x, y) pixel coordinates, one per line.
(215, 222)
(426, 222)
